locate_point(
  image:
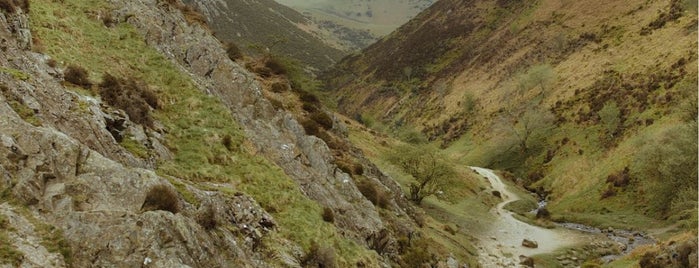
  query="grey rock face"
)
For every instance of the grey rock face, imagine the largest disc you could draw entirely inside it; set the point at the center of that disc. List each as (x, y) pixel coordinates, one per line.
(96, 202)
(275, 133)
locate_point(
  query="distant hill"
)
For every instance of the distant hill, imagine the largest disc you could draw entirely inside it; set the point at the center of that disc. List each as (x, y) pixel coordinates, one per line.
(355, 23)
(267, 25)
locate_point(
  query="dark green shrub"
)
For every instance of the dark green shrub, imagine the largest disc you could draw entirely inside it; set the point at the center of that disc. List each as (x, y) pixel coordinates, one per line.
(328, 214)
(161, 197)
(78, 76)
(131, 96)
(233, 51)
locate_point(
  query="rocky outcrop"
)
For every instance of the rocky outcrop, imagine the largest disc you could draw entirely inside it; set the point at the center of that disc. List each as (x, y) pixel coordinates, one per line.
(73, 196)
(275, 133)
(70, 195)
(96, 204)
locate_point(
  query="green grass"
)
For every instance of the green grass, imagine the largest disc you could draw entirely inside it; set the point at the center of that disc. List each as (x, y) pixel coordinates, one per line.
(16, 74)
(8, 253)
(196, 123)
(24, 112)
(134, 147)
(465, 208)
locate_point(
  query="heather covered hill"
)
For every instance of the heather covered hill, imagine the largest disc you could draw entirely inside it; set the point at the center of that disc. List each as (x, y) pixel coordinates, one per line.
(591, 104)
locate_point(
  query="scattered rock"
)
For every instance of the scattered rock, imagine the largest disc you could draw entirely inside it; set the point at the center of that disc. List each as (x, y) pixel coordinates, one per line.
(527, 261)
(529, 243)
(497, 194)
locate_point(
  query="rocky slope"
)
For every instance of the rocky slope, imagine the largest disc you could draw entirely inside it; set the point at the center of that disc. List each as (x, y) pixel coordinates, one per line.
(220, 177)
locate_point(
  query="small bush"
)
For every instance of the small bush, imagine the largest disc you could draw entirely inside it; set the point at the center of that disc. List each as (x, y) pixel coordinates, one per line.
(51, 62)
(227, 142)
(207, 218)
(78, 76)
(23, 4)
(307, 97)
(279, 86)
(609, 192)
(648, 261)
(543, 213)
(334, 143)
(311, 127)
(621, 179)
(277, 104)
(323, 119)
(417, 255)
(357, 169)
(233, 51)
(8, 6)
(319, 256)
(373, 194)
(276, 66)
(328, 215)
(309, 108)
(108, 20)
(161, 197)
(131, 96)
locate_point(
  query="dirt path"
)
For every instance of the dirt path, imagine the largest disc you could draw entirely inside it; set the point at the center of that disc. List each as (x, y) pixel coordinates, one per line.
(501, 245)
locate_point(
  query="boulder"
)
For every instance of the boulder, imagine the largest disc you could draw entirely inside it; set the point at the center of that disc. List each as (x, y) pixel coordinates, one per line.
(529, 243)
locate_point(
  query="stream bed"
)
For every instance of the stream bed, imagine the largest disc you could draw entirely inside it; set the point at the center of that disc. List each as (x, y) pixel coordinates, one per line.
(501, 245)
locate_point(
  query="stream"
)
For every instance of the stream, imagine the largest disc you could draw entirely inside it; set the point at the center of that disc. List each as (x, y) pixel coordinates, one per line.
(501, 244)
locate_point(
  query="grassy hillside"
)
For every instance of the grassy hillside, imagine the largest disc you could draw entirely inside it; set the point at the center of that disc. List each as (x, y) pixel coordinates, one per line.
(210, 150)
(584, 102)
(261, 26)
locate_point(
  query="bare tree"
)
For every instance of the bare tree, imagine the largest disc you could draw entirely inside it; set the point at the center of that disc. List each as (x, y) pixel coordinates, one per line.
(428, 169)
(529, 127)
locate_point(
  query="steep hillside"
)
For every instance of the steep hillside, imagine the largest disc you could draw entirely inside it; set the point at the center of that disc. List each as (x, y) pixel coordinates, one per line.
(359, 23)
(264, 25)
(129, 138)
(593, 104)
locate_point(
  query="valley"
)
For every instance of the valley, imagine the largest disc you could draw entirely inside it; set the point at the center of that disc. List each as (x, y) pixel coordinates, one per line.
(382, 133)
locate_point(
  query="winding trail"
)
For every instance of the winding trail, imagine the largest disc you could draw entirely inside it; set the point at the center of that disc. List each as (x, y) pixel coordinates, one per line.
(501, 244)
